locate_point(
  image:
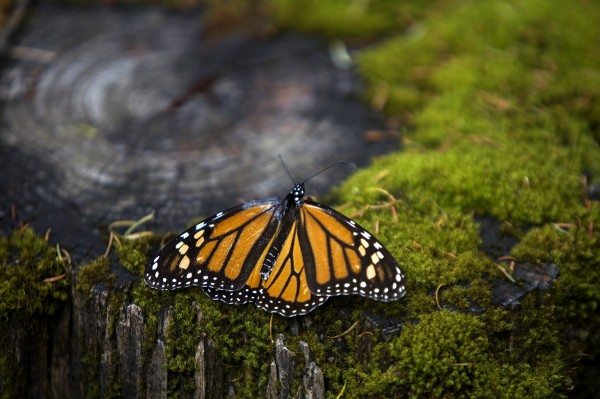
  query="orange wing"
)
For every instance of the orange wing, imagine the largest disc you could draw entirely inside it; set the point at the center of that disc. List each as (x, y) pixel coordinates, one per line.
(343, 258)
(218, 253)
(285, 291)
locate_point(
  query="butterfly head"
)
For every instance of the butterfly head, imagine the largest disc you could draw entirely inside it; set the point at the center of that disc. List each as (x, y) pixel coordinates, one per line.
(297, 193)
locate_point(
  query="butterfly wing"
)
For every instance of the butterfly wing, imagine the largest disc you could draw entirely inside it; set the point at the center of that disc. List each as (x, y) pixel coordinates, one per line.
(285, 290)
(343, 258)
(218, 253)
(287, 257)
(238, 297)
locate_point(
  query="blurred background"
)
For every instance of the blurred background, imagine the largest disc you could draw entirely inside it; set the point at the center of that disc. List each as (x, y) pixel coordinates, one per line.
(113, 110)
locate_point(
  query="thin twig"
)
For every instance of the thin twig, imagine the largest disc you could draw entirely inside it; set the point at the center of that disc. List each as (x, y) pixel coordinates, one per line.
(437, 299)
(342, 391)
(345, 332)
(503, 270)
(110, 240)
(139, 222)
(55, 279)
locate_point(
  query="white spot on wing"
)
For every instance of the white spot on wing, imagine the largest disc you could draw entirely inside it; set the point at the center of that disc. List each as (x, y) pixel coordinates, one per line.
(371, 272)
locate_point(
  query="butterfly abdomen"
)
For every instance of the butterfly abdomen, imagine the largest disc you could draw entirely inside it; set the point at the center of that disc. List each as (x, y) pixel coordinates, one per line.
(267, 266)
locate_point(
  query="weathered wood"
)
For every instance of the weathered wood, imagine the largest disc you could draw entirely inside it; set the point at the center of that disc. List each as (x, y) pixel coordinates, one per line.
(130, 340)
(213, 372)
(285, 367)
(272, 386)
(314, 383)
(156, 377)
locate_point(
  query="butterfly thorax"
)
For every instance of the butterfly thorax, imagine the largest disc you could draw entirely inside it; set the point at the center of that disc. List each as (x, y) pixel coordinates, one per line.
(295, 197)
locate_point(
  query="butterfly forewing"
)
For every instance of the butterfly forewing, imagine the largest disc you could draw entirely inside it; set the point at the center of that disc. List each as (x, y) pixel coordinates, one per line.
(347, 259)
(220, 252)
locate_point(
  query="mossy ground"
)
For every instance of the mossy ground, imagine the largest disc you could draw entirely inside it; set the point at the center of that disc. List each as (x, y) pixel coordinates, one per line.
(500, 101)
(34, 285)
(33, 277)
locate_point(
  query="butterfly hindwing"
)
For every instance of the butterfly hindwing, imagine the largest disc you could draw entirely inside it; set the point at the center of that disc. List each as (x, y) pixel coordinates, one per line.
(219, 252)
(346, 259)
(285, 290)
(238, 297)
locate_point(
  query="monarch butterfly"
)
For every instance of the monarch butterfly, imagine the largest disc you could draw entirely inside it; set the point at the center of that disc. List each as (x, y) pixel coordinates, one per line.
(287, 256)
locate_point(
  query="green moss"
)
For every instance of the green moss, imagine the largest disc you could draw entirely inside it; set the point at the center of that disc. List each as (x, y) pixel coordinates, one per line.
(34, 285)
(448, 354)
(465, 297)
(427, 369)
(93, 273)
(486, 66)
(576, 253)
(182, 337)
(346, 18)
(246, 348)
(519, 187)
(133, 254)
(30, 276)
(577, 290)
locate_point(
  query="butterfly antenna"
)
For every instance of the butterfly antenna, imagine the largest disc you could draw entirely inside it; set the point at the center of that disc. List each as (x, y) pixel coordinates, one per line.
(323, 170)
(286, 169)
